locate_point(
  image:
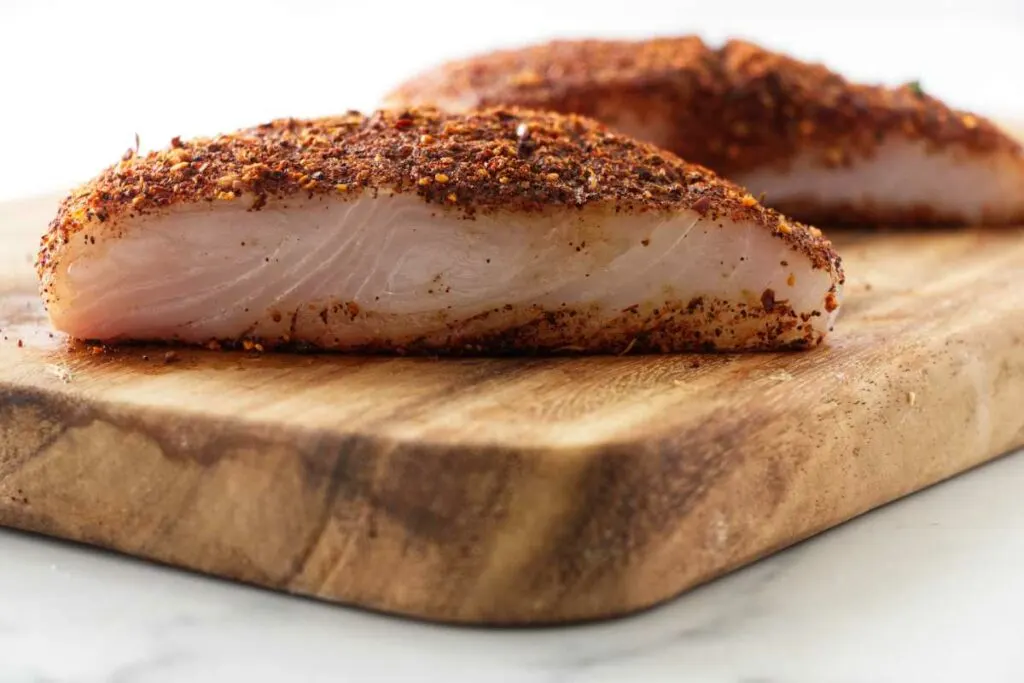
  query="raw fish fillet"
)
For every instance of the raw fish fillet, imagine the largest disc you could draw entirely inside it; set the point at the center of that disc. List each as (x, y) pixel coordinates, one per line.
(498, 231)
(819, 147)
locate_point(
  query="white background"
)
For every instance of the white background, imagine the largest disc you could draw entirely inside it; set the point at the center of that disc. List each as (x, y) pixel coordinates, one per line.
(79, 79)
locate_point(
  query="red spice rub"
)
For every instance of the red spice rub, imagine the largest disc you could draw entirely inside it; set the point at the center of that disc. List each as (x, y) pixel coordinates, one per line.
(732, 109)
(702, 324)
(497, 159)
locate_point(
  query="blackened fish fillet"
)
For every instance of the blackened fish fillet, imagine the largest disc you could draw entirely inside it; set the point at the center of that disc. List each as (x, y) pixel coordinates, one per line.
(821, 148)
(418, 231)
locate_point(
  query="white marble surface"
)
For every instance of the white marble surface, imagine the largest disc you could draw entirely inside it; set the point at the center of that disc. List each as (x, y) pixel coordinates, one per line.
(927, 589)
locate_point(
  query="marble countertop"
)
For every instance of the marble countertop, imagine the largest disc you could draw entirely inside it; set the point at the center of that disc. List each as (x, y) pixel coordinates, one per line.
(930, 588)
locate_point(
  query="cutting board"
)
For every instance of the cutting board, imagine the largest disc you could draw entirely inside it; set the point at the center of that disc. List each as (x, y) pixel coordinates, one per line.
(512, 491)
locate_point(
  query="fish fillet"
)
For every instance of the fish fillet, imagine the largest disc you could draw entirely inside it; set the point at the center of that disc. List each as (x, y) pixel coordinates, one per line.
(821, 148)
(418, 231)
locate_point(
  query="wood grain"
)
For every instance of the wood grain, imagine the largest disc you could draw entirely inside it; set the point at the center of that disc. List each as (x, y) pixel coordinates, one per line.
(517, 490)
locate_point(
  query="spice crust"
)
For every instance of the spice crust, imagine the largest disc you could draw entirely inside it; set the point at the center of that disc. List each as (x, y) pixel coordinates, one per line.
(495, 159)
(732, 109)
(703, 324)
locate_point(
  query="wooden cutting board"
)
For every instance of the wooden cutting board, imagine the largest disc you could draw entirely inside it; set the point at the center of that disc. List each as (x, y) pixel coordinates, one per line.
(512, 491)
